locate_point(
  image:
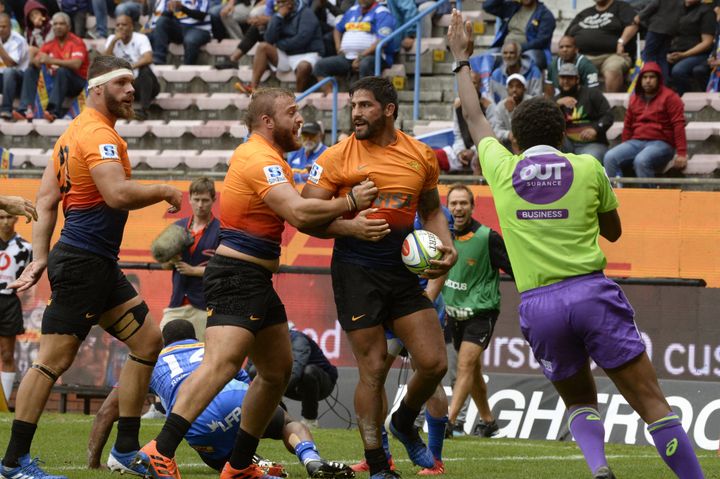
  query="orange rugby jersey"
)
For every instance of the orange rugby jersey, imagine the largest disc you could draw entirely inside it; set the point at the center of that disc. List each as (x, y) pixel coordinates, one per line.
(247, 224)
(90, 224)
(401, 171)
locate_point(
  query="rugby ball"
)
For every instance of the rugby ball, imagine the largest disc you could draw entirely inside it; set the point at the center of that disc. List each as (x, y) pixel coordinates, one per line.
(419, 248)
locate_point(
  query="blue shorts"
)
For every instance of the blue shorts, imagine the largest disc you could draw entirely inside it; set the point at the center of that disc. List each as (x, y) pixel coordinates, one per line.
(580, 317)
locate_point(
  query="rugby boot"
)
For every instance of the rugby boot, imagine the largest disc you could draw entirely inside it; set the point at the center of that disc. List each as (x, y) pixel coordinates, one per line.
(270, 468)
(154, 465)
(604, 472)
(253, 471)
(328, 470)
(418, 452)
(485, 429)
(27, 469)
(386, 475)
(124, 463)
(437, 470)
(363, 466)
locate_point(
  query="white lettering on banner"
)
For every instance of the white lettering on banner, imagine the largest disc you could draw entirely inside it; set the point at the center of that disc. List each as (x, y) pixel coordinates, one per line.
(329, 340)
(513, 415)
(614, 418)
(679, 359)
(534, 413)
(700, 433)
(668, 357)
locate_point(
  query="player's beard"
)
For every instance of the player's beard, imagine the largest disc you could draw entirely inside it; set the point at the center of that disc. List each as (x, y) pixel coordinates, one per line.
(371, 130)
(285, 139)
(117, 108)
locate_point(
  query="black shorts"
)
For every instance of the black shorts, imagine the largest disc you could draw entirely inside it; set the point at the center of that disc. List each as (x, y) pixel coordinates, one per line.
(83, 286)
(11, 318)
(367, 297)
(240, 293)
(477, 330)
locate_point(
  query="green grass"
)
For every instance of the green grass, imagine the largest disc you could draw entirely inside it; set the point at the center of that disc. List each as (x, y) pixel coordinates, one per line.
(62, 438)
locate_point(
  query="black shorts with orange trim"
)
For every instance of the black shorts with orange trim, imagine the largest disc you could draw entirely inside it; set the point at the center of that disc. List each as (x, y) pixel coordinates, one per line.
(366, 297)
(240, 293)
(83, 286)
(11, 318)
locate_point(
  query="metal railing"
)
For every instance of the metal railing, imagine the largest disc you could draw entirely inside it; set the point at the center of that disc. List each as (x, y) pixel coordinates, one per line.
(317, 86)
(416, 20)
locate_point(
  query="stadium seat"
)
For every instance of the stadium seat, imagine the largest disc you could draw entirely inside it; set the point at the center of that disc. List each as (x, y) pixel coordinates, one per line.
(175, 128)
(472, 15)
(702, 164)
(185, 73)
(221, 48)
(20, 128)
(54, 129)
(286, 77)
(715, 102)
(615, 130)
(23, 155)
(429, 43)
(696, 101)
(238, 130)
(159, 70)
(211, 129)
(431, 127)
(140, 156)
(134, 129)
(617, 99)
(700, 130)
(217, 76)
(324, 103)
(170, 158)
(397, 70)
(208, 159)
(216, 101)
(179, 101)
(40, 159)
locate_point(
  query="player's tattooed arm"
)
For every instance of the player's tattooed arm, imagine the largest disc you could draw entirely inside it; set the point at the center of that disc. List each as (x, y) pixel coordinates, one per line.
(102, 426)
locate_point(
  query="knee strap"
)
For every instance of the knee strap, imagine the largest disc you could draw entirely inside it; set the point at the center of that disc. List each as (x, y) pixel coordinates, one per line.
(144, 362)
(46, 371)
(127, 324)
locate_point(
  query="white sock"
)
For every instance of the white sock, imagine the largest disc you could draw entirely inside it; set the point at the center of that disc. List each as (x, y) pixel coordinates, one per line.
(7, 380)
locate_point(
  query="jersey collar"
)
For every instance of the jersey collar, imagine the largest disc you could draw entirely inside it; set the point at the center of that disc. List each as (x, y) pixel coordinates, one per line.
(540, 150)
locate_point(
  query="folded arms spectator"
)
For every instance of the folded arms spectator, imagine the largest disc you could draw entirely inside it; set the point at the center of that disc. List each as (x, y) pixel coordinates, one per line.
(14, 60)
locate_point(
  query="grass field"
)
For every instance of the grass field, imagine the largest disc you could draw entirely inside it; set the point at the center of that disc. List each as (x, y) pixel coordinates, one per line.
(62, 438)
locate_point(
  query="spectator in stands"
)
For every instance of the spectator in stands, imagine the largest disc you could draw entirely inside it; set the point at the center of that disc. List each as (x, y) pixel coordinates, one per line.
(66, 59)
(404, 10)
(293, 42)
(253, 29)
(713, 61)
(568, 54)
(14, 59)
(512, 63)
(356, 35)
(605, 34)
(660, 18)
(529, 23)
(78, 11)
(654, 129)
(587, 115)
(135, 47)
(18, 9)
(302, 160)
(227, 16)
(182, 21)
(502, 121)
(39, 28)
(691, 45)
(115, 8)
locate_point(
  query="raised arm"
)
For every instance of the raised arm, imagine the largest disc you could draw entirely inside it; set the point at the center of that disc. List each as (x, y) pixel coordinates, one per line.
(460, 40)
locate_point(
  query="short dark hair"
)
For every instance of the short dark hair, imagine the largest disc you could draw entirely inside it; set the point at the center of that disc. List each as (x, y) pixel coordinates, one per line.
(177, 330)
(538, 121)
(106, 63)
(381, 88)
(263, 103)
(461, 187)
(202, 185)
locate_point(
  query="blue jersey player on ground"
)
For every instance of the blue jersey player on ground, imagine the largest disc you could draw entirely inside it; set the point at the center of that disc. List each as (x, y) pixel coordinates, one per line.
(552, 207)
(213, 433)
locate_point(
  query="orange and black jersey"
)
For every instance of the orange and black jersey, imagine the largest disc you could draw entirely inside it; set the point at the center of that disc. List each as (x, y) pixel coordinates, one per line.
(247, 224)
(402, 171)
(90, 224)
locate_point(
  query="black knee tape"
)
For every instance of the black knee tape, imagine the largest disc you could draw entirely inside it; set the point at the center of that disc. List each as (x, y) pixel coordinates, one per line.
(144, 362)
(128, 324)
(45, 371)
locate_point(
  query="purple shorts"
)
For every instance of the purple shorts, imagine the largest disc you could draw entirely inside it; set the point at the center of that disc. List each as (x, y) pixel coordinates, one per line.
(578, 317)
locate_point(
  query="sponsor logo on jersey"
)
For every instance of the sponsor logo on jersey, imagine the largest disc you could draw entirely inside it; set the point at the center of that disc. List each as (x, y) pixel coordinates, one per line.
(315, 173)
(109, 152)
(274, 175)
(455, 285)
(543, 179)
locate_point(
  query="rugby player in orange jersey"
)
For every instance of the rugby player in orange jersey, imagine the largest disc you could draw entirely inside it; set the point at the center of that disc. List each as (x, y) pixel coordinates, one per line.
(90, 174)
(245, 315)
(372, 287)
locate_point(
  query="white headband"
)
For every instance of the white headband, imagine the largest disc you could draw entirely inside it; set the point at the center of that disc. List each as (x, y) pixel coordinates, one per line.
(106, 77)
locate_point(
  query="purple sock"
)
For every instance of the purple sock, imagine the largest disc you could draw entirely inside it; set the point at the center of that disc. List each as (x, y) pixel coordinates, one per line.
(673, 445)
(589, 433)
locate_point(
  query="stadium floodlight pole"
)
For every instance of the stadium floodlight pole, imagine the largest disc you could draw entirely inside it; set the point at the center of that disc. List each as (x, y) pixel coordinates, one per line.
(317, 86)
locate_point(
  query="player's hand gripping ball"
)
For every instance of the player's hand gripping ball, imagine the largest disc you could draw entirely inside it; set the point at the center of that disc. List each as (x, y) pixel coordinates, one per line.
(419, 248)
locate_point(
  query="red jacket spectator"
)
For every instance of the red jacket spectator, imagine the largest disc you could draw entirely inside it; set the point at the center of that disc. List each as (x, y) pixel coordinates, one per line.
(72, 48)
(659, 118)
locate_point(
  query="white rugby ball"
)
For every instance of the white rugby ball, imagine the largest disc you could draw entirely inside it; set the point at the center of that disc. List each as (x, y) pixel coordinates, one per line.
(419, 248)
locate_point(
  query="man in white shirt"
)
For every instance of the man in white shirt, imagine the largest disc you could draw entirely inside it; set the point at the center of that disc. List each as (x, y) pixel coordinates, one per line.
(135, 48)
(14, 59)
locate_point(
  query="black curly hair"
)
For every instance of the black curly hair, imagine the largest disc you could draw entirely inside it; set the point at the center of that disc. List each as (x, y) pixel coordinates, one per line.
(538, 121)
